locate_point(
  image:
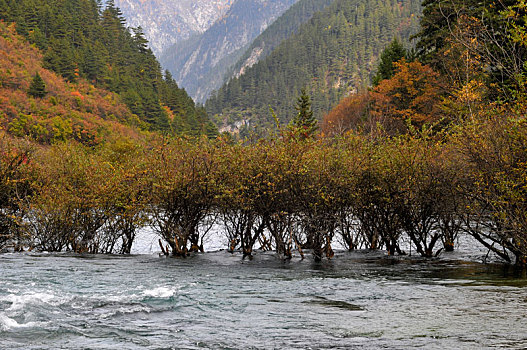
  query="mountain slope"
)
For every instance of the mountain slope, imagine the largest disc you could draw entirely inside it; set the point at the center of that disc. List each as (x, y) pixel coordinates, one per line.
(166, 22)
(64, 110)
(200, 63)
(279, 30)
(332, 55)
(81, 40)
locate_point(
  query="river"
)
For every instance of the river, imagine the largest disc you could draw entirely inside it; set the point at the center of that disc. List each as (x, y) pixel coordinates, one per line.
(362, 300)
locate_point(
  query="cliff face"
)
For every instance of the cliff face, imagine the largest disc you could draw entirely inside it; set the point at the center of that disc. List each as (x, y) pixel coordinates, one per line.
(166, 22)
(200, 63)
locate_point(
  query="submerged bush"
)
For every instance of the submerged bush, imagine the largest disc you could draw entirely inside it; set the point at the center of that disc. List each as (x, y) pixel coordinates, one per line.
(496, 157)
(87, 201)
(282, 193)
(15, 188)
(183, 192)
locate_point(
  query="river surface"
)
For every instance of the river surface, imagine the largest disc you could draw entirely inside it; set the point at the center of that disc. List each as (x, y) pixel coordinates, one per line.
(358, 300)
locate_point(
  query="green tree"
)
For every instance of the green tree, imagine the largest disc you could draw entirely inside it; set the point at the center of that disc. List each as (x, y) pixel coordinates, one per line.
(304, 121)
(391, 54)
(37, 87)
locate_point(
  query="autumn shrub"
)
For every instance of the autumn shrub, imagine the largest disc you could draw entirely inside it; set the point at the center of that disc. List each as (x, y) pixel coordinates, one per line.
(279, 163)
(316, 196)
(183, 192)
(276, 207)
(15, 180)
(414, 96)
(87, 201)
(421, 183)
(66, 214)
(127, 194)
(379, 201)
(495, 149)
(352, 154)
(243, 195)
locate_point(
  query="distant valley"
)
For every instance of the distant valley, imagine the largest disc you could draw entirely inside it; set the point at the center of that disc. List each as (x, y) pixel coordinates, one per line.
(239, 57)
(200, 63)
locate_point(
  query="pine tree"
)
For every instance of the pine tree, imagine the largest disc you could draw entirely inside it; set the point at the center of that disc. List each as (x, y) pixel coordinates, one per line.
(304, 122)
(37, 87)
(393, 53)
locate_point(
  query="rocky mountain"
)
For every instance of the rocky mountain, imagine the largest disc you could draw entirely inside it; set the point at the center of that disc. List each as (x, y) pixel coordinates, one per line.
(200, 63)
(166, 22)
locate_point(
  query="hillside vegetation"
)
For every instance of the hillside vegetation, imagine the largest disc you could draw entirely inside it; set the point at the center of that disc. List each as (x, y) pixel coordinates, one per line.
(332, 55)
(61, 110)
(281, 29)
(81, 40)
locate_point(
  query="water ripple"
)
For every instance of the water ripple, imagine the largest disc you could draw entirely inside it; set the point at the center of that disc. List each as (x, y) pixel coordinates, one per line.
(217, 301)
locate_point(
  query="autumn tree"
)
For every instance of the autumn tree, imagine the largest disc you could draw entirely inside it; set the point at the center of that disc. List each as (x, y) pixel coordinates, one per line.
(413, 94)
(352, 113)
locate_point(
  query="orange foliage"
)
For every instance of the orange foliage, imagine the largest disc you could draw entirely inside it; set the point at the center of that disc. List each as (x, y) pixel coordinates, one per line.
(169, 113)
(77, 94)
(350, 114)
(68, 111)
(415, 92)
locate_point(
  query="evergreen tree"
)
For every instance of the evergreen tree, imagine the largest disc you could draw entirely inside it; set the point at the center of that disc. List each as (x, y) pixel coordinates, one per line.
(37, 87)
(391, 54)
(304, 121)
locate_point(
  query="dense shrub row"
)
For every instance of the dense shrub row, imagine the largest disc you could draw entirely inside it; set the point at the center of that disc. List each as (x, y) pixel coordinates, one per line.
(281, 193)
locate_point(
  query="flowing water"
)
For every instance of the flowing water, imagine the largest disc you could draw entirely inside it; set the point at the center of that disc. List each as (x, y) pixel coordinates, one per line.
(361, 300)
